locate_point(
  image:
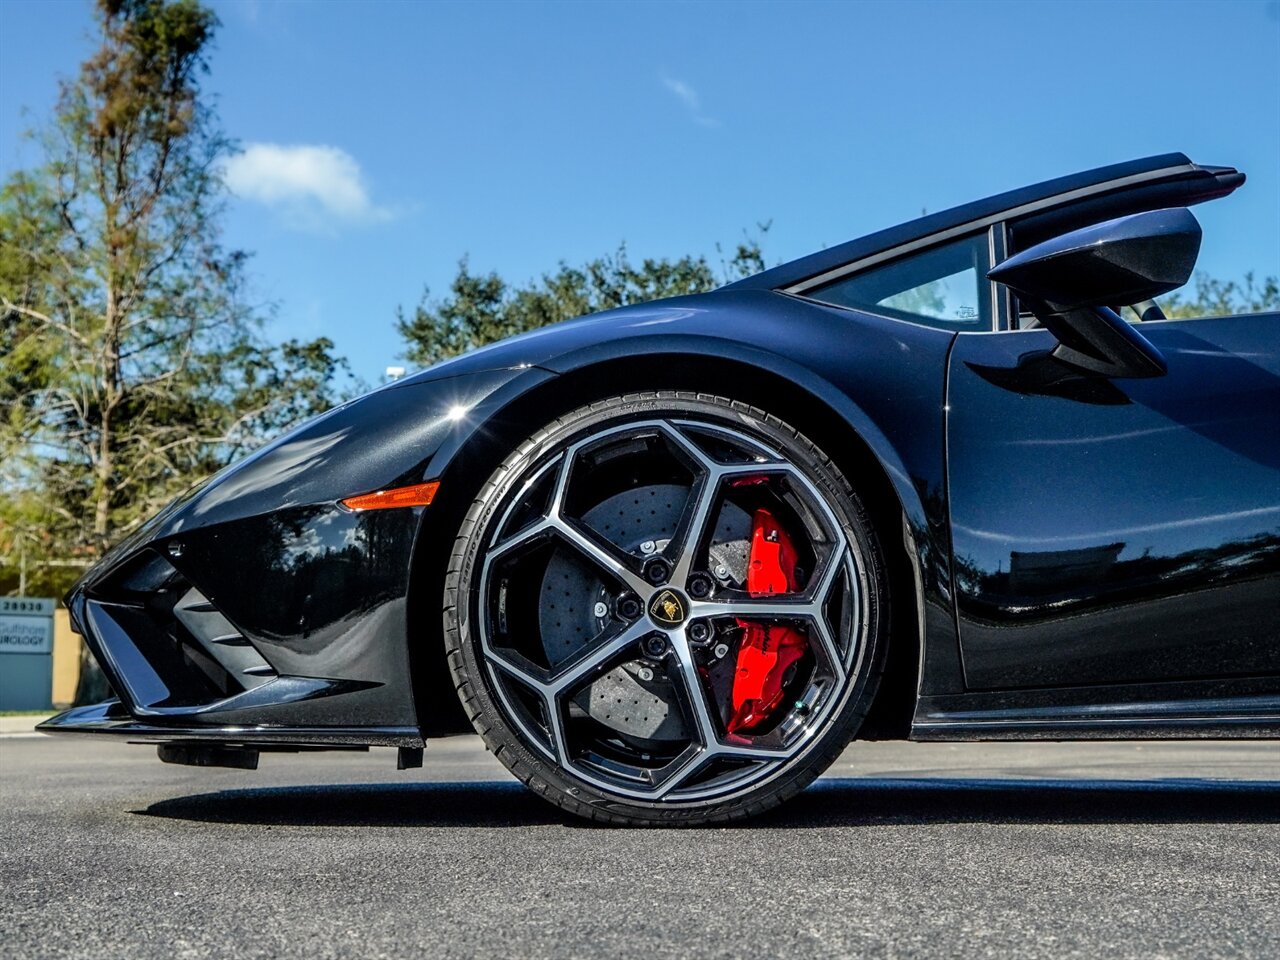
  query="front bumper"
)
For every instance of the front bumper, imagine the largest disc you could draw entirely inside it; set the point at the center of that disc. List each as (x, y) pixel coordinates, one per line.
(258, 603)
(112, 719)
(307, 635)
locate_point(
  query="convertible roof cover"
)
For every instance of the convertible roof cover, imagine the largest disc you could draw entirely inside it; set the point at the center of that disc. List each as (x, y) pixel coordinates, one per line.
(1197, 183)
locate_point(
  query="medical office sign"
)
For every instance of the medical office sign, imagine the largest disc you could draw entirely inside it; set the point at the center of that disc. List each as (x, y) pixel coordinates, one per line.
(26, 625)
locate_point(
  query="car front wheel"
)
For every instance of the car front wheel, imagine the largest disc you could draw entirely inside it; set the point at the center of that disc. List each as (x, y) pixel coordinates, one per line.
(666, 608)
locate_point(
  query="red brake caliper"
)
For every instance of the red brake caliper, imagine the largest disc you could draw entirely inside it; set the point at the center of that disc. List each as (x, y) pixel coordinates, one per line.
(766, 650)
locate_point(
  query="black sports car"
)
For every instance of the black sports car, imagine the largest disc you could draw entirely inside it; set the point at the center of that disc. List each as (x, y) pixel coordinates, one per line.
(925, 484)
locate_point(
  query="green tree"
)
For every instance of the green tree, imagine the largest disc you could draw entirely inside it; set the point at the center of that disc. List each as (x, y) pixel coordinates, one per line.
(1223, 298)
(132, 362)
(482, 308)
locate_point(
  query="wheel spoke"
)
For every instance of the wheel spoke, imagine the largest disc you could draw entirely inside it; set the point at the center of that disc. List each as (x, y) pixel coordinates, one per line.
(683, 548)
(688, 539)
(717, 751)
(807, 604)
(596, 657)
(829, 648)
(704, 724)
(690, 449)
(749, 751)
(531, 532)
(776, 606)
(559, 740)
(555, 522)
(611, 562)
(594, 660)
(608, 558)
(835, 563)
(686, 545)
(566, 530)
(707, 729)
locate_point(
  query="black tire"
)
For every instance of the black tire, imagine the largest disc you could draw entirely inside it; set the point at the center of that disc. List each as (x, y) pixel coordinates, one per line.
(522, 746)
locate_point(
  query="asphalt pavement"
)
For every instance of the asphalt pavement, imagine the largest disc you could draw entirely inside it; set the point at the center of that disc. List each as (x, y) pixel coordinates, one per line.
(1088, 850)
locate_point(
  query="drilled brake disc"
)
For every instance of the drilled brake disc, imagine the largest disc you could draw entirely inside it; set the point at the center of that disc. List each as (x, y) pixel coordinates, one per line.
(635, 699)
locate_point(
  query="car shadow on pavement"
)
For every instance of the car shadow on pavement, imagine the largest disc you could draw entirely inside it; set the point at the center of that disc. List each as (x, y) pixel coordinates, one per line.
(852, 802)
(828, 803)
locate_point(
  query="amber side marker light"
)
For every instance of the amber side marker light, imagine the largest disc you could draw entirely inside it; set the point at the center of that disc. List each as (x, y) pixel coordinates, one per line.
(418, 495)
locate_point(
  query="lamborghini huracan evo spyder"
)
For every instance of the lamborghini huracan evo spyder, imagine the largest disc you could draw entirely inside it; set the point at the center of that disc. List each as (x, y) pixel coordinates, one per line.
(959, 479)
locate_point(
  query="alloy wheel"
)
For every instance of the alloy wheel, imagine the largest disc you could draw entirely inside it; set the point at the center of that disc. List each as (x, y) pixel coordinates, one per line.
(640, 581)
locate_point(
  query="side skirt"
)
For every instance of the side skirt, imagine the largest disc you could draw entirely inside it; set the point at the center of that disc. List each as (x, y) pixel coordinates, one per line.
(968, 718)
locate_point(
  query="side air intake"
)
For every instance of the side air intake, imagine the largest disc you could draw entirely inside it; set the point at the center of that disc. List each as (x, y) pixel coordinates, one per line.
(220, 640)
(163, 643)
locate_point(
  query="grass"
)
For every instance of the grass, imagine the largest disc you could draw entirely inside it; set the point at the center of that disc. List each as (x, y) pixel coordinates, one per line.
(24, 713)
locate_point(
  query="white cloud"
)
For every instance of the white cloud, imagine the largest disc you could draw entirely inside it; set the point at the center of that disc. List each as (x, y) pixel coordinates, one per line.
(314, 186)
(689, 97)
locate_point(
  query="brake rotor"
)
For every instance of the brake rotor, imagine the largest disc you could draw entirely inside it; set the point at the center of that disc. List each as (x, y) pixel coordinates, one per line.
(636, 699)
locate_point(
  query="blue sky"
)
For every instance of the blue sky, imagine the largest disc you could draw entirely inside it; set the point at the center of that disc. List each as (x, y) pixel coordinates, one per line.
(386, 140)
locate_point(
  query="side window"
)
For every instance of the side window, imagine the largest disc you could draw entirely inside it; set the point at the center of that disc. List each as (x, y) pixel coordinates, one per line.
(944, 287)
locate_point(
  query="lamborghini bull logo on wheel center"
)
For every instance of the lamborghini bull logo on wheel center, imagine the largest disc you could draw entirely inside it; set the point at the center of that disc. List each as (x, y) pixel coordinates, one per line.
(668, 608)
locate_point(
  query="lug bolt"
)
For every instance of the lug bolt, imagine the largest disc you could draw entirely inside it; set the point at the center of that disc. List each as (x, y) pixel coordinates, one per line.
(629, 607)
(699, 632)
(657, 572)
(699, 586)
(655, 645)
(601, 609)
(648, 547)
(721, 650)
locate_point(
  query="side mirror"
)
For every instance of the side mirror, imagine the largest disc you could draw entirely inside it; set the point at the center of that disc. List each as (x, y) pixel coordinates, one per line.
(1072, 282)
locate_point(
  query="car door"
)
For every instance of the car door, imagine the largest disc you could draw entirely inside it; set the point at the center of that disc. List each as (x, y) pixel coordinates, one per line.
(1113, 531)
